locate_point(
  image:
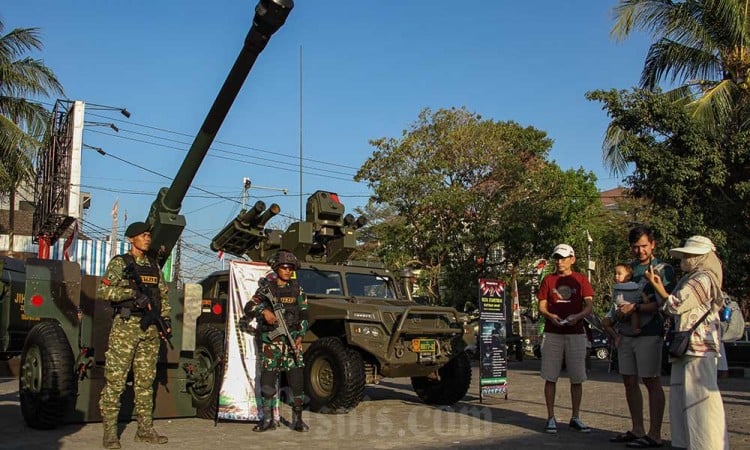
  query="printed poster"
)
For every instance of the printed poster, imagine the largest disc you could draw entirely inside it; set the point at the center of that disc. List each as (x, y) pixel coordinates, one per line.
(239, 395)
(493, 361)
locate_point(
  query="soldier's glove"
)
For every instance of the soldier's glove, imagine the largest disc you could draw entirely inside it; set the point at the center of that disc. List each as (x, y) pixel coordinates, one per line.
(141, 301)
(168, 323)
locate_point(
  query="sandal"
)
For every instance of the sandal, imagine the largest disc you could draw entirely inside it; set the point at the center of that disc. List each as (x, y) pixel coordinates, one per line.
(625, 437)
(644, 442)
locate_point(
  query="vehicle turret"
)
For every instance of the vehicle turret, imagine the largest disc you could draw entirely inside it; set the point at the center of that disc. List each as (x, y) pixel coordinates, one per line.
(327, 235)
(164, 217)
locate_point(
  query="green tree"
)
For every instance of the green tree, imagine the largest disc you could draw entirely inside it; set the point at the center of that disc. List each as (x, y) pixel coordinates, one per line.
(701, 46)
(22, 120)
(461, 187)
(697, 181)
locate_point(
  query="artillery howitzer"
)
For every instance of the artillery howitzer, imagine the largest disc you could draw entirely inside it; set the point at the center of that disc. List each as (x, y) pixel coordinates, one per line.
(62, 361)
(364, 325)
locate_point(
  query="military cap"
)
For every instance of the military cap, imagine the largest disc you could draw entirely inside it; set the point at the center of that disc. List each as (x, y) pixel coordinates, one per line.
(136, 228)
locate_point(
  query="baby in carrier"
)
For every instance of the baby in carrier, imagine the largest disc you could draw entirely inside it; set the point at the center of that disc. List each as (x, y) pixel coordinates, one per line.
(626, 291)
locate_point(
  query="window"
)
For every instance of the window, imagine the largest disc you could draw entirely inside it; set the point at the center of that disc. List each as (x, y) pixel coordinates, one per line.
(369, 285)
(320, 282)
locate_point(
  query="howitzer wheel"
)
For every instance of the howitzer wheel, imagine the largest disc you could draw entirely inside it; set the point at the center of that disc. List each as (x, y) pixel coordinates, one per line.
(46, 383)
(209, 348)
(334, 376)
(452, 385)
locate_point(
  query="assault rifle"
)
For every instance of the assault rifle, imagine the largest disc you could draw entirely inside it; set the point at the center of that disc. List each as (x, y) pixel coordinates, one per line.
(280, 328)
(152, 313)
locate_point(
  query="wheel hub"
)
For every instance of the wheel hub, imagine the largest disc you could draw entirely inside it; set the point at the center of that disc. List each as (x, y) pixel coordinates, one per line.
(322, 377)
(31, 370)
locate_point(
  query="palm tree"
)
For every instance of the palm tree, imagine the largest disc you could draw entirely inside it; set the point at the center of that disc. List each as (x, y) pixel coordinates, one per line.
(22, 121)
(703, 47)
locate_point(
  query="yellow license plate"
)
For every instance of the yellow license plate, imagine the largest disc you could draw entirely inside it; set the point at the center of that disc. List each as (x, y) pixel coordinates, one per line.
(423, 345)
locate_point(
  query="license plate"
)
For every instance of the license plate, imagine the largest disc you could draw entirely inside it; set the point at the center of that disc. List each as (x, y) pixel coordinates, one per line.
(423, 345)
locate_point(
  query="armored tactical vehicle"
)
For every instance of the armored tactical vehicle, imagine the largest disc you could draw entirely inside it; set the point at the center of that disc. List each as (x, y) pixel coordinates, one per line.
(363, 324)
(66, 329)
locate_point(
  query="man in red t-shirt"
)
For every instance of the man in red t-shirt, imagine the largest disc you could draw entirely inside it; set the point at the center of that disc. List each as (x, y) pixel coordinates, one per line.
(565, 298)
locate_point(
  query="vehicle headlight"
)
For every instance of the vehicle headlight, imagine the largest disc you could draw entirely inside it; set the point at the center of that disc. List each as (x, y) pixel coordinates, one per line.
(366, 330)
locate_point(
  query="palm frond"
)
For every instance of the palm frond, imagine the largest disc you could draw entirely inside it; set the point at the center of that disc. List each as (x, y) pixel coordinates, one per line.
(614, 158)
(647, 15)
(667, 58)
(715, 106)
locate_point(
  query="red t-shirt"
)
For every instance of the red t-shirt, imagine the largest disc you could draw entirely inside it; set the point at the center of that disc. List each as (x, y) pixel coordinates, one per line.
(564, 295)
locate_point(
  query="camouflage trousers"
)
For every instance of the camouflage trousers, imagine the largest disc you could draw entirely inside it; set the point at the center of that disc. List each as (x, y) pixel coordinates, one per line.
(277, 356)
(130, 346)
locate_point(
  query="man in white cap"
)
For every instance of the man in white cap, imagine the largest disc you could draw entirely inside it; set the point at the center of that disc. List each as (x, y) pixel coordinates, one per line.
(565, 298)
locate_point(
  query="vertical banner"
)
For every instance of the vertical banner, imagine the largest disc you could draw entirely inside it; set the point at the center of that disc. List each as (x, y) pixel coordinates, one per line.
(239, 395)
(493, 360)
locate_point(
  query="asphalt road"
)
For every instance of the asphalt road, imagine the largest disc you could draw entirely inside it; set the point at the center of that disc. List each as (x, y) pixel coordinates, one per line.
(391, 417)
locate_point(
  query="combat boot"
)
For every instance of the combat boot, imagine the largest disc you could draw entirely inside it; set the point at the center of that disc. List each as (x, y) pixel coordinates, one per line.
(268, 422)
(297, 423)
(110, 439)
(146, 433)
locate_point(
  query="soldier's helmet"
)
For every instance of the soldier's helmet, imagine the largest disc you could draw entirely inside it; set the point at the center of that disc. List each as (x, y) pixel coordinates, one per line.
(283, 257)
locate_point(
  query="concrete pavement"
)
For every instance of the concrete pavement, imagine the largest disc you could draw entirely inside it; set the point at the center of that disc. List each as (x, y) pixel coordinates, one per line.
(391, 417)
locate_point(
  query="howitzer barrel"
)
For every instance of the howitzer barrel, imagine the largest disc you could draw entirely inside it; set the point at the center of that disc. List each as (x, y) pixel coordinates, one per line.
(164, 216)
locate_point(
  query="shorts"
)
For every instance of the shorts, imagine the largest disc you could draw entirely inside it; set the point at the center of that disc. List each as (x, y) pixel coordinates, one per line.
(572, 348)
(640, 355)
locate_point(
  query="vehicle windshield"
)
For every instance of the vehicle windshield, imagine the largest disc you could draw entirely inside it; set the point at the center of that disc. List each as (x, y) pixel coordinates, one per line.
(370, 285)
(320, 281)
(325, 282)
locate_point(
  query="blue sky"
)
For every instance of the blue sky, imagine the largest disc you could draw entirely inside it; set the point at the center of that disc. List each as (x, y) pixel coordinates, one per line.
(368, 68)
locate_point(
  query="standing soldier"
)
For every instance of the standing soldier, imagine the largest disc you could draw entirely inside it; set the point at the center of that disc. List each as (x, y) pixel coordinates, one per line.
(129, 344)
(277, 354)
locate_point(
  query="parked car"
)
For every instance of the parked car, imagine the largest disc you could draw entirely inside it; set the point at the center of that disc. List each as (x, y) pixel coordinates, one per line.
(738, 352)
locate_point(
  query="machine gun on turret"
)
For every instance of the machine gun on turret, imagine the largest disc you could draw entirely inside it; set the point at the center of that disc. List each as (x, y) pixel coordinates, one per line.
(327, 235)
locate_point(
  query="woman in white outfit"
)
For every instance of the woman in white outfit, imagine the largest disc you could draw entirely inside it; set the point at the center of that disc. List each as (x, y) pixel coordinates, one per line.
(696, 410)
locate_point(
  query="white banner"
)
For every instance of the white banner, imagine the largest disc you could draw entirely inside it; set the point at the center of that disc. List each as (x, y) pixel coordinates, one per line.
(240, 389)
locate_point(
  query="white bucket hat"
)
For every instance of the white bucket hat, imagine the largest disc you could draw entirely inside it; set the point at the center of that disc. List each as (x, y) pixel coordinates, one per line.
(694, 245)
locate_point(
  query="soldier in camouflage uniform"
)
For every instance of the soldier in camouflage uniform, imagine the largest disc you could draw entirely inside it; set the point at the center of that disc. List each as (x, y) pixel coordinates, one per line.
(129, 344)
(277, 356)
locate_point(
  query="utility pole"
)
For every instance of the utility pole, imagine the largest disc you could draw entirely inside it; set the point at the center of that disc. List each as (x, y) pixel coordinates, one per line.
(589, 263)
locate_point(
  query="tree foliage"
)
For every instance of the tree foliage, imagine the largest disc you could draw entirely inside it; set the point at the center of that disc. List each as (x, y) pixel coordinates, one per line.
(701, 49)
(22, 120)
(698, 181)
(459, 187)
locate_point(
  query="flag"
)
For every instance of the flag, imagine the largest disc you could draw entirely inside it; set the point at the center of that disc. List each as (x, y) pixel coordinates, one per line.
(69, 248)
(115, 208)
(221, 254)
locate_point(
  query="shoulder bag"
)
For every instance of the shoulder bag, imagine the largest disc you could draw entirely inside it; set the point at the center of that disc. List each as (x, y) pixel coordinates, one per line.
(677, 342)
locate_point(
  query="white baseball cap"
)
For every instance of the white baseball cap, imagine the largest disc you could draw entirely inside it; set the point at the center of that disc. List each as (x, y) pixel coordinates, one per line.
(563, 250)
(694, 245)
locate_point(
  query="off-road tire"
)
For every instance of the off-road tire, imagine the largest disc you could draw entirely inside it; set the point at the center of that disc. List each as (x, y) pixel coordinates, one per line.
(46, 384)
(455, 378)
(334, 376)
(602, 353)
(209, 348)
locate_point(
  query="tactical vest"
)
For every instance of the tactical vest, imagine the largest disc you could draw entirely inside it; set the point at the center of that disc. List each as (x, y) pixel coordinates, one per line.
(149, 277)
(287, 296)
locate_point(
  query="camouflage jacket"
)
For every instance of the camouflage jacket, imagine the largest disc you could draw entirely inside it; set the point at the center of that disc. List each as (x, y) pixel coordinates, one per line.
(114, 287)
